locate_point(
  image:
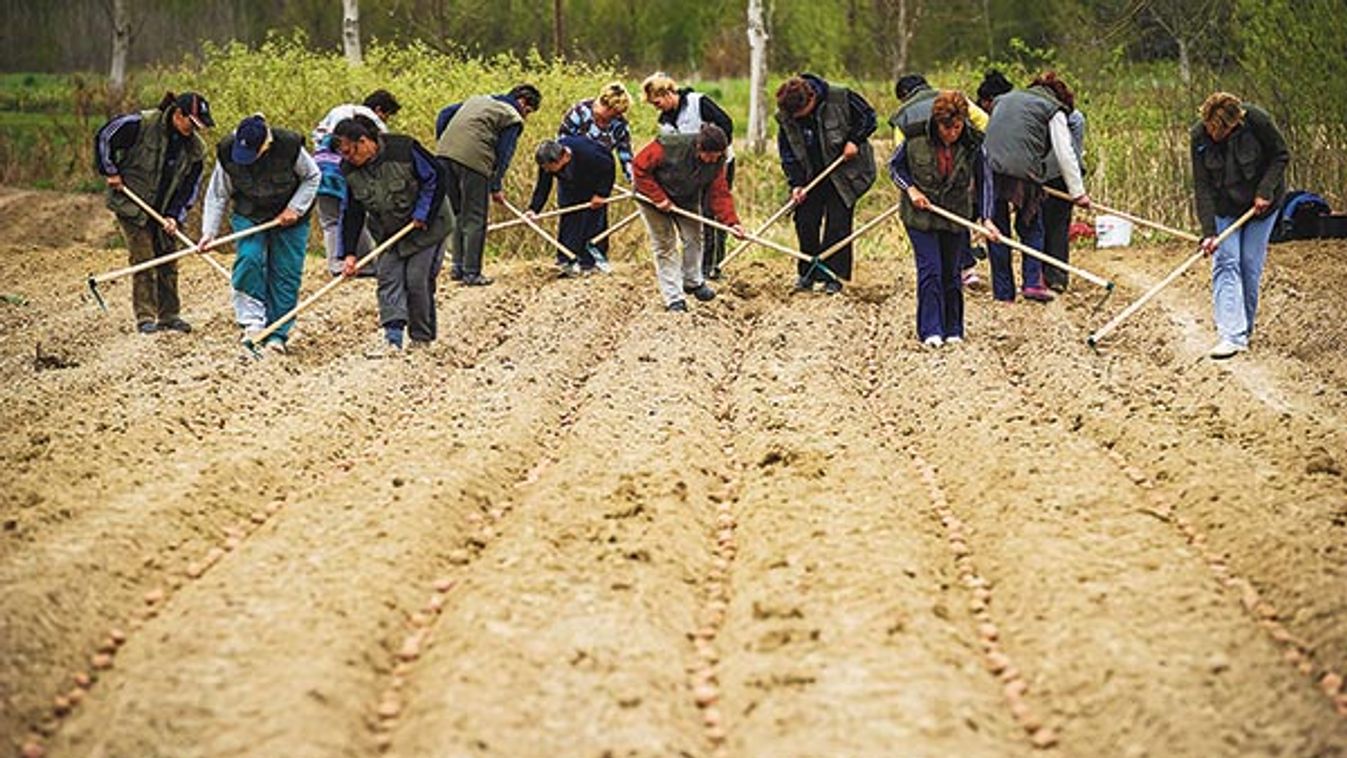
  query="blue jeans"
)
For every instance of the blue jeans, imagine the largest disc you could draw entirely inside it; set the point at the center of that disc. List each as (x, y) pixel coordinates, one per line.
(939, 287)
(268, 267)
(1030, 233)
(1236, 270)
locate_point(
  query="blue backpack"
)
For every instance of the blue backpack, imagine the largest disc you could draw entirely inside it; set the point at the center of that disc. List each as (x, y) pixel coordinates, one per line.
(1299, 216)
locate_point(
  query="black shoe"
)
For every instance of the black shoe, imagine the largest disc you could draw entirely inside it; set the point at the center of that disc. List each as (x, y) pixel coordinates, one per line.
(455, 275)
(677, 306)
(147, 327)
(714, 274)
(804, 284)
(475, 280)
(175, 324)
(702, 292)
(1056, 286)
(832, 287)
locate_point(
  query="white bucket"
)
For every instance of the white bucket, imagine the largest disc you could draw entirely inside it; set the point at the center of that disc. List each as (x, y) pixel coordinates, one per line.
(1112, 231)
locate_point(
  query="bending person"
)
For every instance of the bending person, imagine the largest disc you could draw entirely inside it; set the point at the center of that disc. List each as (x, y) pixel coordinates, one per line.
(583, 171)
(379, 108)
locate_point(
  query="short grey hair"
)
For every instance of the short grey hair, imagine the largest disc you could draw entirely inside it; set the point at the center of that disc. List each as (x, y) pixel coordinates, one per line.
(549, 151)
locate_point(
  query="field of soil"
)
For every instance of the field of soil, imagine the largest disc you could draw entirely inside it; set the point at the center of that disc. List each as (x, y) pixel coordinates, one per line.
(581, 526)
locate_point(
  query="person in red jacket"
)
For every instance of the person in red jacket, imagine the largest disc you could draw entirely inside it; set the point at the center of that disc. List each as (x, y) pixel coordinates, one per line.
(679, 169)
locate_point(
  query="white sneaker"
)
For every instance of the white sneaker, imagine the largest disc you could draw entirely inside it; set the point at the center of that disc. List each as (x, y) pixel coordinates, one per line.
(934, 341)
(1225, 349)
(275, 346)
(953, 340)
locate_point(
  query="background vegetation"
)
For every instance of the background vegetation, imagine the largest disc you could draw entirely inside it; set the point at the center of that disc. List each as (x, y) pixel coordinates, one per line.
(1140, 68)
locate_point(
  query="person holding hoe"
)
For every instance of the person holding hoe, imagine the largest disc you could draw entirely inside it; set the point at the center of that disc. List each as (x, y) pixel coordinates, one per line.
(818, 123)
(266, 174)
(603, 119)
(583, 170)
(674, 172)
(158, 155)
(945, 165)
(476, 142)
(1239, 161)
(392, 180)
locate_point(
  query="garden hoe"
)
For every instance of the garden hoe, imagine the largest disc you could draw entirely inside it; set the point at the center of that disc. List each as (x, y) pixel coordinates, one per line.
(183, 238)
(785, 209)
(1124, 214)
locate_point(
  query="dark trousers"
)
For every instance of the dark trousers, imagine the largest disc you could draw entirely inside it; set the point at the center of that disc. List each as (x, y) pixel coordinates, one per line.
(469, 195)
(407, 289)
(1030, 233)
(713, 240)
(1056, 235)
(939, 286)
(823, 210)
(575, 230)
(154, 292)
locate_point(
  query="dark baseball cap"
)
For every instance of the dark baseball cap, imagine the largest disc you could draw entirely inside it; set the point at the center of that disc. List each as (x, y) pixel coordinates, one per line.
(196, 108)
(250, 139)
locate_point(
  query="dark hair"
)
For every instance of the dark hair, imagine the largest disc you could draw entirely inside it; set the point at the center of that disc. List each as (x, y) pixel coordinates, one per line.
(712, 139)
(793, 95)
(356, 127)
(1059, 89)
(548, 152)
(909, 83)
(166, 104)
(383, 100)
(993, 85)
(528, 95)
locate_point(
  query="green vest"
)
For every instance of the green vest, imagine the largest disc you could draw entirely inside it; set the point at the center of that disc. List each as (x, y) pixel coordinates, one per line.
(832, 121)
(912, 115)
(956, 193)
(682, 174)
(141, 164)
(470, 138)
(387, 187)
(264, 188)
(1018, 142)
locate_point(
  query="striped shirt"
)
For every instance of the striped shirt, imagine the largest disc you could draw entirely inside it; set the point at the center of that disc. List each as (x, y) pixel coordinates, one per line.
(579, 122)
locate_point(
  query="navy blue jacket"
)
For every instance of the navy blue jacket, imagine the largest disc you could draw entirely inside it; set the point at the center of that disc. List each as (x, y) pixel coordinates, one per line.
(588, 173)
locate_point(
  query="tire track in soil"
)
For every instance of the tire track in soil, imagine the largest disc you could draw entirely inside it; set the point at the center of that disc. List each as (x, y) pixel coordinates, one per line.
(840, 638)
(602, 571)
(1217, 493)
(174, 527)
(309, 603)
(1120, 636)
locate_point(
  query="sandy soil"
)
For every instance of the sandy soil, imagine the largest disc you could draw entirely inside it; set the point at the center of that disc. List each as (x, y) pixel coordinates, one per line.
(581, 526)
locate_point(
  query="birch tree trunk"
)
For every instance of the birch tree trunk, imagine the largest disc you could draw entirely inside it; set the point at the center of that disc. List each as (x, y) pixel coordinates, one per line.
(757, 77)
(121, 46)
(350, 31)
(558, 30)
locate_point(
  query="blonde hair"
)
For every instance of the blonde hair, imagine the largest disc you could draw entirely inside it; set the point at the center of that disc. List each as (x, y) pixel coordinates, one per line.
(614, 96)
(1222, 110)
(658, 84)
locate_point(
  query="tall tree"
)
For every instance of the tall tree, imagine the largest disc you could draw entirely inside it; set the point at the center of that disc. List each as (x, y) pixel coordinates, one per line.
(896, 27)
(1187, 22)
(558, 30)
(757, 77)
(121, 47)
(350, 31)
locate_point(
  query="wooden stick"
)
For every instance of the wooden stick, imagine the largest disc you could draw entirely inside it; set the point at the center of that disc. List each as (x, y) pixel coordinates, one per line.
(183, 238)
(867, 226)
(603, 235)
(161, 260)
(252, 342)
(532, 224)
(557, 212)
(1025, 249)
(1093, 339)
(1190, 237)
(726, 228)
(775, 217)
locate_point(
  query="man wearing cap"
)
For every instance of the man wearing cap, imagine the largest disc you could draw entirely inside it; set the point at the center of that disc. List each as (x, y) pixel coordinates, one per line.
(267, 174)
(477, 139)
(157, 155)
(583, 170)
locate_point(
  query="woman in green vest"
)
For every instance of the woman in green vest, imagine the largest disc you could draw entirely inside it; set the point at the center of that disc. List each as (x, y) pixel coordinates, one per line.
(156, 154)
(944, 165)
(392, 181)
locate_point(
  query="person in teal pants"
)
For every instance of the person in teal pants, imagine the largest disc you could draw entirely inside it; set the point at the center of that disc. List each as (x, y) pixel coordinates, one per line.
(266, 174)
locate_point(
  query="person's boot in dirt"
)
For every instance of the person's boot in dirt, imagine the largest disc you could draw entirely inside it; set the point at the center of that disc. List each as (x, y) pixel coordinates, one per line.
(702, 292)
(147, 327)
(677, 306)
(475, 280)
(388, 344)
(174, 324)
(832, 287)
(804, 284)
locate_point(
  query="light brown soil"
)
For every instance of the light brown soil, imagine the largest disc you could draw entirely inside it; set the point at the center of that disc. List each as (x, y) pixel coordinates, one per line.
(581, 526)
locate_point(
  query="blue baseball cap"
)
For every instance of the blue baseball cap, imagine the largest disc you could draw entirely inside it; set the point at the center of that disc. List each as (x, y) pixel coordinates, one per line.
(250, 139)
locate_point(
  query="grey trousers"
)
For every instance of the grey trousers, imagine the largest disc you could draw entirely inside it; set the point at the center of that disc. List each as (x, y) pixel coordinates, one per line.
(329, 220)
(469, 194)
(407, 289)
(674, 272)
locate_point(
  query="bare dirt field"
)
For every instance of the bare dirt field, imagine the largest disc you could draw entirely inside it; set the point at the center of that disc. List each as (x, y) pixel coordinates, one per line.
(580, 526)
